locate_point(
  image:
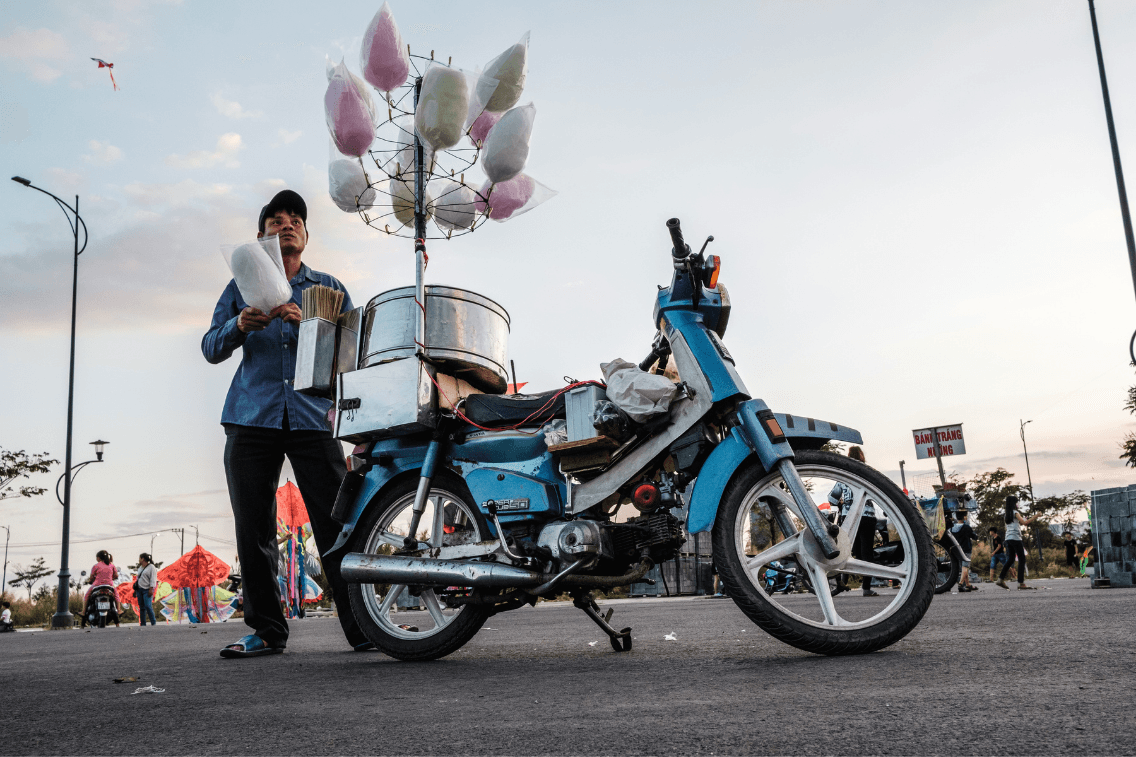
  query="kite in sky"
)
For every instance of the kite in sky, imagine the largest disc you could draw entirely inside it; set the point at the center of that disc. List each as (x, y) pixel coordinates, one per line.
(110, 70)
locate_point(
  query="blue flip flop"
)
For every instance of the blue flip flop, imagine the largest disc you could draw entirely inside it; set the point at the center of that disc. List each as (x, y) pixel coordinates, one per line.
(250, 646)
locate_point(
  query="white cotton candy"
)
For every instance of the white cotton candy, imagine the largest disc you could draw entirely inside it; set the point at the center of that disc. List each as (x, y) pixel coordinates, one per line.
(258, 270)
(383, 58)
(507, 147)
(348, 185)
(503, 80)
(402, 200)
(442, 107)
(455, 207)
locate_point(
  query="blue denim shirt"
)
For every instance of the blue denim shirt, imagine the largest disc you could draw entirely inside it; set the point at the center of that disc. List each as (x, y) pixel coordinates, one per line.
(262, 386)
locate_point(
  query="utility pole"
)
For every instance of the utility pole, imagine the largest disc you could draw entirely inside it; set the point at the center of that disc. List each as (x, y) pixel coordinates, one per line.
(1029, 479)
(4, 581)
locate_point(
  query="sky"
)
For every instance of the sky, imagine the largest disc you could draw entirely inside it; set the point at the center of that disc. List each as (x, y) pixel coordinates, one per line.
(914, 203)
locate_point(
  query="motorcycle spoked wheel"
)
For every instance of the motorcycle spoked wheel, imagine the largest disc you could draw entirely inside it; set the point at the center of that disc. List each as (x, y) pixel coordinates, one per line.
(820, 622)
(948, 567)
(440, 629)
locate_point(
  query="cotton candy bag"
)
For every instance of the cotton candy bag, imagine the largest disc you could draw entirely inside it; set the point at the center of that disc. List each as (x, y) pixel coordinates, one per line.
(514, 197)
(507, 146)
(455, 206)
(482, 125)
(383, 58)
(349, 111)
(402, 200)
(501, 83)
(258, 270)
(443, 105)
(347, 184)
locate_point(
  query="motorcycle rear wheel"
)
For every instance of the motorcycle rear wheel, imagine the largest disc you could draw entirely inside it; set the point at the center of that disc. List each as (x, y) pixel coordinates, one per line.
(441, 629)
(816, 622)
(948, 567)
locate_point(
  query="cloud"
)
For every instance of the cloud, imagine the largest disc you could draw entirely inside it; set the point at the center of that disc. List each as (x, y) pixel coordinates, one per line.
(33, 50)
(233, 109)
(228, 145)
(162, 260)
(288, 137)
(102, 153)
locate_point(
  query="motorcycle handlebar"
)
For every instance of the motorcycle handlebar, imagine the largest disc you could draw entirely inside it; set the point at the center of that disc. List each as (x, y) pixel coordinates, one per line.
(680, 249)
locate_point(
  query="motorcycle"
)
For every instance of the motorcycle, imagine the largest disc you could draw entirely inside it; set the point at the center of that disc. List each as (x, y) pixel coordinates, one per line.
(100, 608)
(482, 515)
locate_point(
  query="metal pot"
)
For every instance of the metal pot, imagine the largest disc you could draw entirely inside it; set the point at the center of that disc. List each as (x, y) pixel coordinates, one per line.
(467, 335)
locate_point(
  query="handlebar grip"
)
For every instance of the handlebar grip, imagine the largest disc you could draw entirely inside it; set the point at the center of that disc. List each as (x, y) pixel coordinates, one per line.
(680, 248)
(649, 361)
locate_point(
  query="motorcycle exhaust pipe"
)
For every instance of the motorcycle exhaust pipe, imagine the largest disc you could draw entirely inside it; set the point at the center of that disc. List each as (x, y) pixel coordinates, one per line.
(362, 568)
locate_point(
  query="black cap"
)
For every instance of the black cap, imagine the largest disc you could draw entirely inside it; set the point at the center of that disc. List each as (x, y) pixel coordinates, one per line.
(285, 199)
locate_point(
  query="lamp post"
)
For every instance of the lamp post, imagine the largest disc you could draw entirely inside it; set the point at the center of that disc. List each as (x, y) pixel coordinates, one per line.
(62, 617)
(4, 581)
(1029, 478)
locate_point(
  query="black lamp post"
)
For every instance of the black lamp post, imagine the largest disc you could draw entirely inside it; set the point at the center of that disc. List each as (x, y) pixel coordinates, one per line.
(62, 617)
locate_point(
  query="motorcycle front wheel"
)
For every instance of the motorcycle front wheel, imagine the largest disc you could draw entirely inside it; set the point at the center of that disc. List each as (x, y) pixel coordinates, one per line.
(758, 523)
(443, 627)
(948, 567)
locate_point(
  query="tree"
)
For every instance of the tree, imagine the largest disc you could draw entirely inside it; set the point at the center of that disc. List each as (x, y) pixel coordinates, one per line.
(30, 576)
(20, 464)
(1060, 510)
(990, 490)
(1128, 446)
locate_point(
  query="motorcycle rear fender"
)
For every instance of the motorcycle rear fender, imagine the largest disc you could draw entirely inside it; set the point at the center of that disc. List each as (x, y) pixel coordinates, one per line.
(745, 440)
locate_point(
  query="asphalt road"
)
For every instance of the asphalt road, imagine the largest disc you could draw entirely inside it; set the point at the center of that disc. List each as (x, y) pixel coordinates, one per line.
(991, 672)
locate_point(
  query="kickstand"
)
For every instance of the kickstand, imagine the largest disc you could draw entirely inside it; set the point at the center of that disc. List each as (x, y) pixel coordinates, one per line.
(620, 640)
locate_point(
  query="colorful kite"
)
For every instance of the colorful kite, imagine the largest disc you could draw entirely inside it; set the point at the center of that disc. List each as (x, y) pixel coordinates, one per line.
(297, 565)
(110, 70)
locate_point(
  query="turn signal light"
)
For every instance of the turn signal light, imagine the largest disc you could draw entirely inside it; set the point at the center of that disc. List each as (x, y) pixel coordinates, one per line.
(714, 267)
(646, 495)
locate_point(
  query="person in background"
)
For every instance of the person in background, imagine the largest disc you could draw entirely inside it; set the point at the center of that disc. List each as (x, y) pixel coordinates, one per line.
(1014, 547)
(997, 552)
(864, 542)
(104, 573)
(144, 588)
(6, 617)
(1071, 552)
(964, 535)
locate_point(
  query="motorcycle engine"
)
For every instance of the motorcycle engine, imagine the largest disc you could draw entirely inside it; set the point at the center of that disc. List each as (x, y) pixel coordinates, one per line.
(659, 532)
(569, 541)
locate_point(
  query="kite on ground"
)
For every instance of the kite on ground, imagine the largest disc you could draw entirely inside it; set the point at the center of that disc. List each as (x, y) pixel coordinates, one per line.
(110, 70)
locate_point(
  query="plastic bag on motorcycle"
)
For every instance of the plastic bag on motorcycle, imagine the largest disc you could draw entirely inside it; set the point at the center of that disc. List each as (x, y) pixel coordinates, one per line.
(643, 396)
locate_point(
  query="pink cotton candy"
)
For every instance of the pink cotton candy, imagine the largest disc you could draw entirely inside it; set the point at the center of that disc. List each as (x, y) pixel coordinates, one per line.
(383, 58)
(480, 128)
(508, 197)
(348, 119)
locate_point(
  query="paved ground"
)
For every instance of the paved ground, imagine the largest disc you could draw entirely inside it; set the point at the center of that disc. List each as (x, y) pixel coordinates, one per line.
(992, 672)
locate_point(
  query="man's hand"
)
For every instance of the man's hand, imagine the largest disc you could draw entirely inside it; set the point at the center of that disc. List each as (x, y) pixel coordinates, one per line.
(252, 319)
(289, 312)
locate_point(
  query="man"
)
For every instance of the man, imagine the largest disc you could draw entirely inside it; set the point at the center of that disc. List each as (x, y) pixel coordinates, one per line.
(266, 420)
(997, 552)
(964, 535)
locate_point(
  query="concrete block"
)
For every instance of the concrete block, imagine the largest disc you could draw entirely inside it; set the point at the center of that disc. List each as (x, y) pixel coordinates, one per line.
(1121, 579)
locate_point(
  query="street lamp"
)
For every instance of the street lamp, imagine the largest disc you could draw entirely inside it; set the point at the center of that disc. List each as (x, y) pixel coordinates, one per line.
(62, 617)
(1029, 478)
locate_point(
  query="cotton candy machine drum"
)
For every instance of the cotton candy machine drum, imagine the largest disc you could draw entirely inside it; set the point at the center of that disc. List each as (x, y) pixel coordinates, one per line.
(467, 335)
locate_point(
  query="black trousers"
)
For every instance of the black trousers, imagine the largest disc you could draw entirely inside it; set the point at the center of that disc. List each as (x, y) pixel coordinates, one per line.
(1014, 549)
(254, 458)
(864, 546)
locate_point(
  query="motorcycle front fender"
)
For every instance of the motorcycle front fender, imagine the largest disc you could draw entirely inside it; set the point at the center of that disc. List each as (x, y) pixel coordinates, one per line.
(741, 443)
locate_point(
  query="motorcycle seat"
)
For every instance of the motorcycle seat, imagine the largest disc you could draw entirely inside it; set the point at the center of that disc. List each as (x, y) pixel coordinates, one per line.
(498, 410)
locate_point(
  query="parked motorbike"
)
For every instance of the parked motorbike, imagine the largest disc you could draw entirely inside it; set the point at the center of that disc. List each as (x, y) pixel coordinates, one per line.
(100, 608)
(480, 516)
